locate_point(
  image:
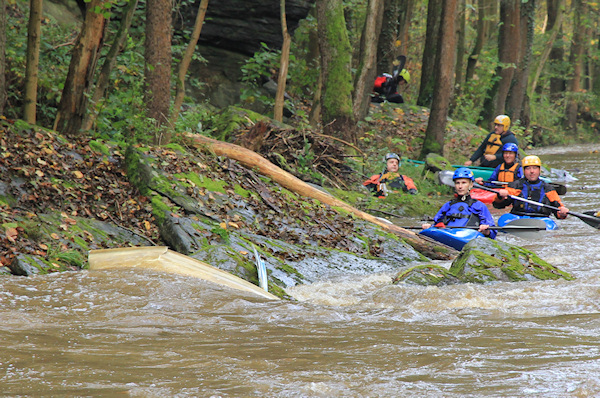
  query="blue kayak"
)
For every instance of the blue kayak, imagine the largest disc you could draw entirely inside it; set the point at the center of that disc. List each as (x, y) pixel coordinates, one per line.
(508, 217)
(453, 237)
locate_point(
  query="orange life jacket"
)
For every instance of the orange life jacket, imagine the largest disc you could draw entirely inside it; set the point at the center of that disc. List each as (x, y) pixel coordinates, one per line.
(508, 175)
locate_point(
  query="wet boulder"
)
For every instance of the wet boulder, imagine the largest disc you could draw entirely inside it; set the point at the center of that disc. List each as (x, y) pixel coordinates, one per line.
(482, 261)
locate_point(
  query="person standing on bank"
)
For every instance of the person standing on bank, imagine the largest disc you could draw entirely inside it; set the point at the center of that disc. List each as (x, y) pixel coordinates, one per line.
(489, 151)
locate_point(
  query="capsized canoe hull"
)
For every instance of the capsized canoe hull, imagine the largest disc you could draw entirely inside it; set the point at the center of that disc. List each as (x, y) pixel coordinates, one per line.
(160, 258)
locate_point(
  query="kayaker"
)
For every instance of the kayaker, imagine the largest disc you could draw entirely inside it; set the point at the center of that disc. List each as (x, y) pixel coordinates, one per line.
(509, 171)
(386, 86)
(390, 180)
(533, 188)
(489, 151)
(464, 210)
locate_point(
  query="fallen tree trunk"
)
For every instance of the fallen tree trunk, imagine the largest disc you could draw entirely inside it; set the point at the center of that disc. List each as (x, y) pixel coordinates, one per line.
(253, 160)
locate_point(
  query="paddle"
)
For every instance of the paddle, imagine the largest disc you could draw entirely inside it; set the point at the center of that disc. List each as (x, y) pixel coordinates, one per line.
(560, 188)
(588, 219)
(525, 228)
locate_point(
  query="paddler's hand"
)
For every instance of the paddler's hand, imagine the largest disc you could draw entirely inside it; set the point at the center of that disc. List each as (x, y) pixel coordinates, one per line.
(484, 229)
(489, 158)
(503, 193)
(468, 163)
(479, 180)
(562, 212)
(425, 226)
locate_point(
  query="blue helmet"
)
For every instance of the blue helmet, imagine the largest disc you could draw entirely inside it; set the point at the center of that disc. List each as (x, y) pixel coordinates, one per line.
(463, 172)
(510, 147)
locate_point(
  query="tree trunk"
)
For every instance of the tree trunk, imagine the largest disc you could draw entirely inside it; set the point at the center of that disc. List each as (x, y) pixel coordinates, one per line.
(460, 47)
(3, 91)
(444, 80)
(33, 60)
(430, 53)
(483, 31)
(552, 35)
(367, 68)
(576, 60)
(74, 100)
(110, 62)
(187, 59)
(253, 160)
(393, 37)
(283, 67)
(336, 63)
(516, 98)
(158, 67)
(558, 84)
(508, 40)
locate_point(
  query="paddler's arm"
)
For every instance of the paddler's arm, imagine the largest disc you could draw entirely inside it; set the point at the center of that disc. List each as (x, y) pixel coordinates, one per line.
(556, 202)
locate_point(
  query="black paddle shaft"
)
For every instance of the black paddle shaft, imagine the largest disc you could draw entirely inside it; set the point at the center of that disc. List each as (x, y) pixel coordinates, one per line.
(590, 220)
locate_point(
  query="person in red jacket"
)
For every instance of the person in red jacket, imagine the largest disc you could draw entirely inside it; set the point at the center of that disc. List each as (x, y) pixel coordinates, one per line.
(386, 86)
(390, 180)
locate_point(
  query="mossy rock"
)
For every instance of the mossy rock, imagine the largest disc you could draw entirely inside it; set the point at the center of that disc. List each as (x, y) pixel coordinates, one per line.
(486, 260)
(426, 275)
(435, 163)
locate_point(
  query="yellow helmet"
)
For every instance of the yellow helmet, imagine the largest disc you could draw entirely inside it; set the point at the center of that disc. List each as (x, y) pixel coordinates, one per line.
(503, 120)
(531, 161)
(405, 75)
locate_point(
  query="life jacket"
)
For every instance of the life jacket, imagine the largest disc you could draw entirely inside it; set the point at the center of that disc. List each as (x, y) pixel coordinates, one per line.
(532, 191)
(493, 144)
(459, 214)
(510, 174)
(393, 181)
(379, 82)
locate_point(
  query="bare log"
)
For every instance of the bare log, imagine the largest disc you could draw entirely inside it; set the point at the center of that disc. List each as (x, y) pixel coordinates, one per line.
(253, 160)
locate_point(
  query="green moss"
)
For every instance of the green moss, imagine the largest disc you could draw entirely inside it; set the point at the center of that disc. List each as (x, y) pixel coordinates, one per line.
(159, 208)
(241, 191)
(177, 148)
(100, 147)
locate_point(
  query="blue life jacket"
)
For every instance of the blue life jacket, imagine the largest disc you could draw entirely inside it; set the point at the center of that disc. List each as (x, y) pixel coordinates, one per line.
(460, 214)
(532, 191)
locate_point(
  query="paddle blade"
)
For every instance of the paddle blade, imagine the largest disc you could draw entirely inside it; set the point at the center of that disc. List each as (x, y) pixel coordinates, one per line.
(525, 228)
(592, 220)
(445, 177)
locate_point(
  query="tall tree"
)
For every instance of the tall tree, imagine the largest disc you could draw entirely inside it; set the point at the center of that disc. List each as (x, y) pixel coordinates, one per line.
(552, 29)
(74, 100)
(3, 90)
(336, 62)
(34, 30)
(110, 62)
(187, 59)
(484, 8)
(367, 68)
(558, 82)
(461, 37)
(517, 102)
(158, 66)
(444, 80)
(394, 33)
(430, 52)
(283, 66)
(509, 42)
(580, 36)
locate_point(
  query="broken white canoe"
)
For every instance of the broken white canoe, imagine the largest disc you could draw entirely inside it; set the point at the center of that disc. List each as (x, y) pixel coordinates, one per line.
(160, 258)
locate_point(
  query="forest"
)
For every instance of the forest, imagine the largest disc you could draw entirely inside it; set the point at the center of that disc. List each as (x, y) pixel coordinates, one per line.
(124, 71)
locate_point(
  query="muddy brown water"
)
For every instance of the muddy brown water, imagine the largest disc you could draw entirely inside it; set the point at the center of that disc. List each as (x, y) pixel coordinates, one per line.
(126, 333)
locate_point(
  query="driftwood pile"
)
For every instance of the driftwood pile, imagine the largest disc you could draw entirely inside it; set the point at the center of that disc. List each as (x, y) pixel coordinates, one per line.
(307, 155)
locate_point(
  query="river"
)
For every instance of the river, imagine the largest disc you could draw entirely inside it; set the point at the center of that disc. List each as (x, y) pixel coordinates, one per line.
(132, 334)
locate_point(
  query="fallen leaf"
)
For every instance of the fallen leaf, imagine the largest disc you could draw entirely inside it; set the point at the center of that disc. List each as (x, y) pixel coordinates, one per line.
(78, 174)
(11, 234)
(54, 236)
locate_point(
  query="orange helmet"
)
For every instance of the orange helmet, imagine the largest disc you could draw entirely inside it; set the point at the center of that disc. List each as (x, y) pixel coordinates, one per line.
(531, 161)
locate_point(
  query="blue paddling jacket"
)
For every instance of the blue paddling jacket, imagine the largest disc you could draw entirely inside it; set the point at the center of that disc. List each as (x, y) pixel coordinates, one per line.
(465, 211)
